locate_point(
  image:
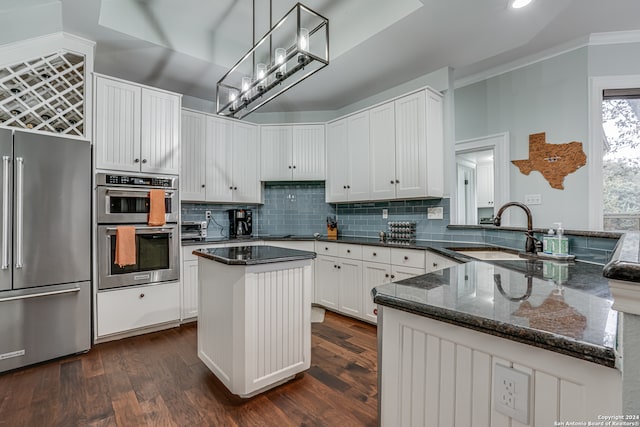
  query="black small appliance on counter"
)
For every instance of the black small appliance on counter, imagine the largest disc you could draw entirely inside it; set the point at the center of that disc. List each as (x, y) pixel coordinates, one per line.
(240, 224)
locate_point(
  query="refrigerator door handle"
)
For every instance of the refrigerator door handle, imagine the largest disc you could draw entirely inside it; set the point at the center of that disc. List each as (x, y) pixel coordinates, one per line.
(19, 210)
(5, 212)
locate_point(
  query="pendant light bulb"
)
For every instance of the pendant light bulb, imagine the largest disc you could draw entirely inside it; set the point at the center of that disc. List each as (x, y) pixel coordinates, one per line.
(303, 39)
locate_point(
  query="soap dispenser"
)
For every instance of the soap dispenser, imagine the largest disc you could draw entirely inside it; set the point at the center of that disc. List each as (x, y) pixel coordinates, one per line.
(561, 246)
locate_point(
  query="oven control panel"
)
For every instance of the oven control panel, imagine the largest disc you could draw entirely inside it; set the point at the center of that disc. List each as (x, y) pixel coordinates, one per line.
(141, 181)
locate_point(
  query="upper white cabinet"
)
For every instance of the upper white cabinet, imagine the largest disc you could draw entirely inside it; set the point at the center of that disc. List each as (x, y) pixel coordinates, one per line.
(393, 151)
(137, 129)
(406, 153)
(292, 153)
(221, 161)
(348, 159)
(193, 176)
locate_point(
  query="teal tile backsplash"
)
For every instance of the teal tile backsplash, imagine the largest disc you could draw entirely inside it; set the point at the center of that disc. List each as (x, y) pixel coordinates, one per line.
(299, 208)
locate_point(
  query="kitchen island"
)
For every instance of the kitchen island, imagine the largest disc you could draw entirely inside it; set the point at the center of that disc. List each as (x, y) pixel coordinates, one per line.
(443, 335)
(254, 318)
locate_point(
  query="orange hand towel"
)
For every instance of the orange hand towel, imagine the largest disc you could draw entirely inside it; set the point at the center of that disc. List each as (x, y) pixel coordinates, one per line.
(125, 245)
(156, 208)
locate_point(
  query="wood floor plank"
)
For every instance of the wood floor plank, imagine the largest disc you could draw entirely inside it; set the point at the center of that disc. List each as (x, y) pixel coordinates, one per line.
(158, 380)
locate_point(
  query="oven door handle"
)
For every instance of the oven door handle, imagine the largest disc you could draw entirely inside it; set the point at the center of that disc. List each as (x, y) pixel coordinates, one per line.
(144, 230)
(133, 191)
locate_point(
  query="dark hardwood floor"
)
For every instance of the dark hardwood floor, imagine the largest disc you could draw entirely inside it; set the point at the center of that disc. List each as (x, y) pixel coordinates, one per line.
(158, 380)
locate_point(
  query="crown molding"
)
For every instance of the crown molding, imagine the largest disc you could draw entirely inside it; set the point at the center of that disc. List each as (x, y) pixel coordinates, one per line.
(595, 39)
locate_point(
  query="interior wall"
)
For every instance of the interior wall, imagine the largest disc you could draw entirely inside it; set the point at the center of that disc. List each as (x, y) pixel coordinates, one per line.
(550, 96)
(17, 21)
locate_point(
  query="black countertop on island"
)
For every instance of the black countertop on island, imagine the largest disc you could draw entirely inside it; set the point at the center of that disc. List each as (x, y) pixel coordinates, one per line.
(565, 308)
(253, 255)
(625, 261)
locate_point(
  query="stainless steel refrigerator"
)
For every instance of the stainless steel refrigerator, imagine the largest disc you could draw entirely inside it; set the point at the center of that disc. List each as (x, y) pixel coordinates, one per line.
(45, 248)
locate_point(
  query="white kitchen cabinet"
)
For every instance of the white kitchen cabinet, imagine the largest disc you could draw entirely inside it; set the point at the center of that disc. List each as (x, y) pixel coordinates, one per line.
(411, 146)
(373, 274)
(117, 125)
(189, 308)
(382, 147)
(194, 162)
(128, 309)
(137, 129)
(337, 162)
(245, 164)
(221, 160)
(397, 146)
(484, 185)
(401, 272)
(348, 159)
(275, 153)
(294, 152)
(327, 282)
(350, 284)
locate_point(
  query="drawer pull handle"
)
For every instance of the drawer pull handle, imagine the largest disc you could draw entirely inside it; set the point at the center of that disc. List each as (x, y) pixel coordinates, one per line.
(375, 311)
(375, 254)
(386, 275)
(141, 295)
(435, 264)
(339, 267)
(348, 251)
(392, 182)
(406, 258)
(326, 248)
(335, 266)
(393, 276)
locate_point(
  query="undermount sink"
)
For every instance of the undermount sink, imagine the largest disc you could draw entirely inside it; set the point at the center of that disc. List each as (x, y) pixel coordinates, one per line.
(493, 255)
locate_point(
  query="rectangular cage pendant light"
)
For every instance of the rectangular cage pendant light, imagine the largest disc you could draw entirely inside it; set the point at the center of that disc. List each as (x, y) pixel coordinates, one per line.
(296, 47)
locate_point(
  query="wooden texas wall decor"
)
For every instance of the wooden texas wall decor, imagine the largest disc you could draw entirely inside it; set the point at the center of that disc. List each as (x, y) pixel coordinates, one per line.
(553, 161)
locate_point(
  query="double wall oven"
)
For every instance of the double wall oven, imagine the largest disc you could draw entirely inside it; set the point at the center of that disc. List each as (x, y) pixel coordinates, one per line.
(124, 200)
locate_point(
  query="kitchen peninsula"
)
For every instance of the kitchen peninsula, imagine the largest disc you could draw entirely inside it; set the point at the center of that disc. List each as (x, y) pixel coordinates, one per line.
(254, 321)
(444, 336)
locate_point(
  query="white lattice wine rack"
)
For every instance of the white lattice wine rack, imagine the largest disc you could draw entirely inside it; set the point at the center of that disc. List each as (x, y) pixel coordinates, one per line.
(45, 94)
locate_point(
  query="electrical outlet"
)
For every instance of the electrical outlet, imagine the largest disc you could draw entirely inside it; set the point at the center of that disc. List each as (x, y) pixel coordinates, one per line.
(511, 393)
(385, 213)
(532, 199)
(207, 215)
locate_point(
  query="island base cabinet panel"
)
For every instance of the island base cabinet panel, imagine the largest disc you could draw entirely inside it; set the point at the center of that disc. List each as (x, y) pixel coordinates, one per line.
(431, 372)
(133, 308)
(254, 323)
(189, 289)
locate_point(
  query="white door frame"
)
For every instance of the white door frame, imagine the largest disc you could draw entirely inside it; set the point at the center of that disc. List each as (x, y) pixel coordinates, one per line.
(499, 143)
(596, 134)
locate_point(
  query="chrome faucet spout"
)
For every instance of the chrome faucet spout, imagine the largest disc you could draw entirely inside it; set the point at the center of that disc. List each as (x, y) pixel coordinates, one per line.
(532, 244)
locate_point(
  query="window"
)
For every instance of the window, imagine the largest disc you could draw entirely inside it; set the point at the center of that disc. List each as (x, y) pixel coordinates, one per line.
(621, 159)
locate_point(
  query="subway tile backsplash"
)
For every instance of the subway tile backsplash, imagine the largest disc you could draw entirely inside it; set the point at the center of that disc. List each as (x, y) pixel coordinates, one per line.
(299, 209)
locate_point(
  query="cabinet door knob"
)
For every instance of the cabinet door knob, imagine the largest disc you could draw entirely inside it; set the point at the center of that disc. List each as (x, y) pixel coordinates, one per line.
(406, 258)
(386, 275)
(202, 185)
(348, 186)
(235, 188)
(348, 251)
(335, 266)
(375, 311)
(397, 181)
(393, 276)
(326, 248)
(231, 188)
(144, 160)
(339, 267)
(344, 186)
(375, 254)
(136, 160)
(289, 166)
(435, 264)
(141, 295)
(392, 182)
(294, 166)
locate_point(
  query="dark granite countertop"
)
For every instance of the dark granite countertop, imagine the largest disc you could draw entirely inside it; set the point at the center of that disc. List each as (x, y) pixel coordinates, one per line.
(625, 261)
(565, 308)
(253, 255)
(583, 233)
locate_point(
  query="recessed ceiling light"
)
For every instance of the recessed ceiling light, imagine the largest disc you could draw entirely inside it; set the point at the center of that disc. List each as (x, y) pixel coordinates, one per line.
(517, 4)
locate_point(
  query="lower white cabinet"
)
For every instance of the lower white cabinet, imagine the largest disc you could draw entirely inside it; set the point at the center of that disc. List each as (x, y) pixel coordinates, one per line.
(127, 309)
(189, 289)
(346, 273)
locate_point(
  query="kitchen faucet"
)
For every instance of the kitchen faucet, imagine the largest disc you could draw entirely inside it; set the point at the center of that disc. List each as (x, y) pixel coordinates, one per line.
(532, 245)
